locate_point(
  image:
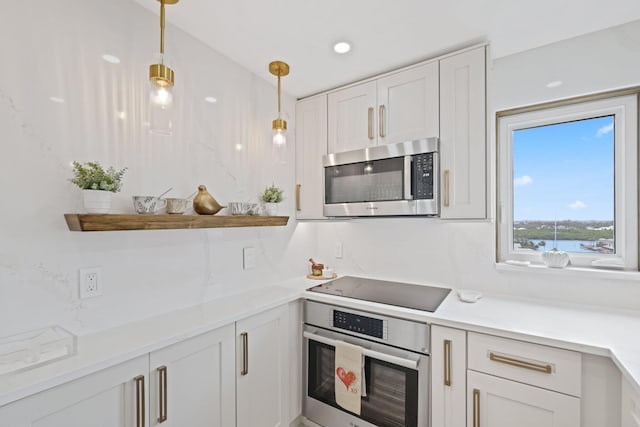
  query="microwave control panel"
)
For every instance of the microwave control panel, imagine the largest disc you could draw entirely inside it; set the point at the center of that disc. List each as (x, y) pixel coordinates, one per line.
(364, 325)
(423, 176)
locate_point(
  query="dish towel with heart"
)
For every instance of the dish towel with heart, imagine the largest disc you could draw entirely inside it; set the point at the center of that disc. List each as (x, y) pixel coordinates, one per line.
(349, 376)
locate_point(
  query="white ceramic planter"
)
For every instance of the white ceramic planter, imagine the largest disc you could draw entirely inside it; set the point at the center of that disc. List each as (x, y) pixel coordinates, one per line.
(271, 209)
(97, 201)
(555, 259)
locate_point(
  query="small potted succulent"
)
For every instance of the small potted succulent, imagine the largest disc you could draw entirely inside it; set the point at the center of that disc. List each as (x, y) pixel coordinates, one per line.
(97, 185)
(271, 197)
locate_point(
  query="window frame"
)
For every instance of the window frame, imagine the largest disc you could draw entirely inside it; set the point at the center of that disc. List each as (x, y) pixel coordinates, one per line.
(624, 108)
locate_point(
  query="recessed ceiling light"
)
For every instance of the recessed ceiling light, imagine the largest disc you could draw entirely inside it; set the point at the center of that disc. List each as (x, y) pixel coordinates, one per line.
(122, 115)
(111, 59)
(554, 83)
(57, 100)
(341, 47)
(211, 99)
(238, 147)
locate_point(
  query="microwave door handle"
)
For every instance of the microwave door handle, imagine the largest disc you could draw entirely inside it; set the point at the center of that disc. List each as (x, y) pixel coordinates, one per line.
(407, 178)
(394, 360)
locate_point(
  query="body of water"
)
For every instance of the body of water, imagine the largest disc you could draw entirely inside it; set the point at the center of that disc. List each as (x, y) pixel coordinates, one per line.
(566, 245)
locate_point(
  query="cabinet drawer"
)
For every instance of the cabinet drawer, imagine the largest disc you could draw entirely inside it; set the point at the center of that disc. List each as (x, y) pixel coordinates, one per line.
(547, 367)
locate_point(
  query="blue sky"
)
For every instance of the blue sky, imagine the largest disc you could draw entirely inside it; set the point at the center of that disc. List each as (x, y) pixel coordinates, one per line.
(564, 171)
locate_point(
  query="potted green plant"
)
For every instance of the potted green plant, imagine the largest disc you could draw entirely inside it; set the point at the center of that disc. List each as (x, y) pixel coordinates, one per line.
(271, 196)
(97, 185)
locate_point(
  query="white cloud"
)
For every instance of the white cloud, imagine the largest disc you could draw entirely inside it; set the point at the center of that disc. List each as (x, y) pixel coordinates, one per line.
(604, 130)
(523, 180)
(578, 205)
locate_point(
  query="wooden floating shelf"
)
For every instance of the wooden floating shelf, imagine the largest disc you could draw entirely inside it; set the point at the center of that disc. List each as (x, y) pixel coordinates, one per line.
(115, 222)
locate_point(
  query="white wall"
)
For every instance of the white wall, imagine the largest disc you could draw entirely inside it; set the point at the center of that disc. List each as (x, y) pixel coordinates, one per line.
(53, 49)
(462, 254)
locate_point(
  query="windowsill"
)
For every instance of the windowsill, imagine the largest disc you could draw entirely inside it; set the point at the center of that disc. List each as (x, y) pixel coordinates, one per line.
(591, 273)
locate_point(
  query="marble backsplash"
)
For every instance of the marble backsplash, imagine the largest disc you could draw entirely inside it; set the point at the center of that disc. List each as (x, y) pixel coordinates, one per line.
(60, 101)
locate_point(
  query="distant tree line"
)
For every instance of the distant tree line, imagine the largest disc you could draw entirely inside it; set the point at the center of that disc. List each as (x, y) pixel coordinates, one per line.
(567, 230)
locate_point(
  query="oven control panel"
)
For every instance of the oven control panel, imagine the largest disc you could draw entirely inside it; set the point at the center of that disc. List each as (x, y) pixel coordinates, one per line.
(364, 325)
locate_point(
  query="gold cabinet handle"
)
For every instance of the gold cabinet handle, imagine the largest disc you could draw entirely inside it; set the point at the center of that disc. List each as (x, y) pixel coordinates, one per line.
(476, 407)
(547, 369)
(140, 405)
(245, 353)
(446, 188)
(162, 381)
(447, 363)
(381, 122)
(370, 123)
(298, 208)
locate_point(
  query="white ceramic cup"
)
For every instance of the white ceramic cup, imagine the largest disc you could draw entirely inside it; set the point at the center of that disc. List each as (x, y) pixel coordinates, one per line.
(148, 204)
(177, 206)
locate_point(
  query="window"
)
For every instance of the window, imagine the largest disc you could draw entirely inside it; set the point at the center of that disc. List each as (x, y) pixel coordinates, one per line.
(567, 180)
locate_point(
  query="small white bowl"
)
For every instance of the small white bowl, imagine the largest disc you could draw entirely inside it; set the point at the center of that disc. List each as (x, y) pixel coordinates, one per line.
(555, 259)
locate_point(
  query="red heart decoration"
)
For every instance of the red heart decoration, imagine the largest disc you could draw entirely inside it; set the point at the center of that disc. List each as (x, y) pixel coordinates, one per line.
(346, 377)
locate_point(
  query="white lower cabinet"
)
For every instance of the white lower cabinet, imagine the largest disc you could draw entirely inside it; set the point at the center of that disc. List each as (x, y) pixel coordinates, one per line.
(192, 383)
(630, 405)
(262, 364)
(448, 376)
(497, 402)
(114, 397)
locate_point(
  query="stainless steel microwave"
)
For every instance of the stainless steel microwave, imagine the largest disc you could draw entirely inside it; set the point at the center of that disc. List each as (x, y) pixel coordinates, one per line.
(385, 180)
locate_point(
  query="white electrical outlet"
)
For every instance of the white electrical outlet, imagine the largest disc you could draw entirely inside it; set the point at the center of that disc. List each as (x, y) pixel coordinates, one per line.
(248, 258)
(90, 282)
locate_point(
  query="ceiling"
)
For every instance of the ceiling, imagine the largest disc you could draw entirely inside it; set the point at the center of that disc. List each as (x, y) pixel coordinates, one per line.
(384, 34)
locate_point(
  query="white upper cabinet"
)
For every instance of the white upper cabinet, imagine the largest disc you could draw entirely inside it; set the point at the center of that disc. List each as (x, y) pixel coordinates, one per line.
(408, 105)
(311, 145)
(352, 119)
(398, 107)
(463, 135)
(193, 382)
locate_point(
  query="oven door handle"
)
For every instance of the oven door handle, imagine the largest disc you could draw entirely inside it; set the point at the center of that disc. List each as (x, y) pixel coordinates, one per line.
(395, 360)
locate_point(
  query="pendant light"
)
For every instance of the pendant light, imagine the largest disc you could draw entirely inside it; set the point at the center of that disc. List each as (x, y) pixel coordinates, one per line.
(161, 80)
(280, 69)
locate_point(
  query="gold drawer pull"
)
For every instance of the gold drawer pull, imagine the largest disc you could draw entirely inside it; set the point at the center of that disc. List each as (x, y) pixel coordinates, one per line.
(162, 380)
(245, 353)
(447, 362)
(446, 188)
(476, 407)
(140, 405)
(547, 369)
(298, 208)
(370, 122)
(381, 122)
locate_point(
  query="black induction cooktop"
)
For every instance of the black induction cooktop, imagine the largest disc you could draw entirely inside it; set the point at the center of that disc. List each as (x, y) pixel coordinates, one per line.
(418, 297)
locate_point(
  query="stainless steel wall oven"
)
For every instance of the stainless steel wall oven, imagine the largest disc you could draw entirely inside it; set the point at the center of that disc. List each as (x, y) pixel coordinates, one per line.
(396, 367)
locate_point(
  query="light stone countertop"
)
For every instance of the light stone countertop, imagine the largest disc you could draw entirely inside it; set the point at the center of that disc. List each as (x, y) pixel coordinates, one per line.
(591, 330)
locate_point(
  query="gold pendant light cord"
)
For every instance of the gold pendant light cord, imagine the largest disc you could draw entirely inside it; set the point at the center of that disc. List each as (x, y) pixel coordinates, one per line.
(278, 94)
(162, 29)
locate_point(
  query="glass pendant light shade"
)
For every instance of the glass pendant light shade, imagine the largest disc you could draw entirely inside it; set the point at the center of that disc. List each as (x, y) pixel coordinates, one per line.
(160, 95)
(279, 132)
(160, 109)
(160, 99)
(279, 137)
